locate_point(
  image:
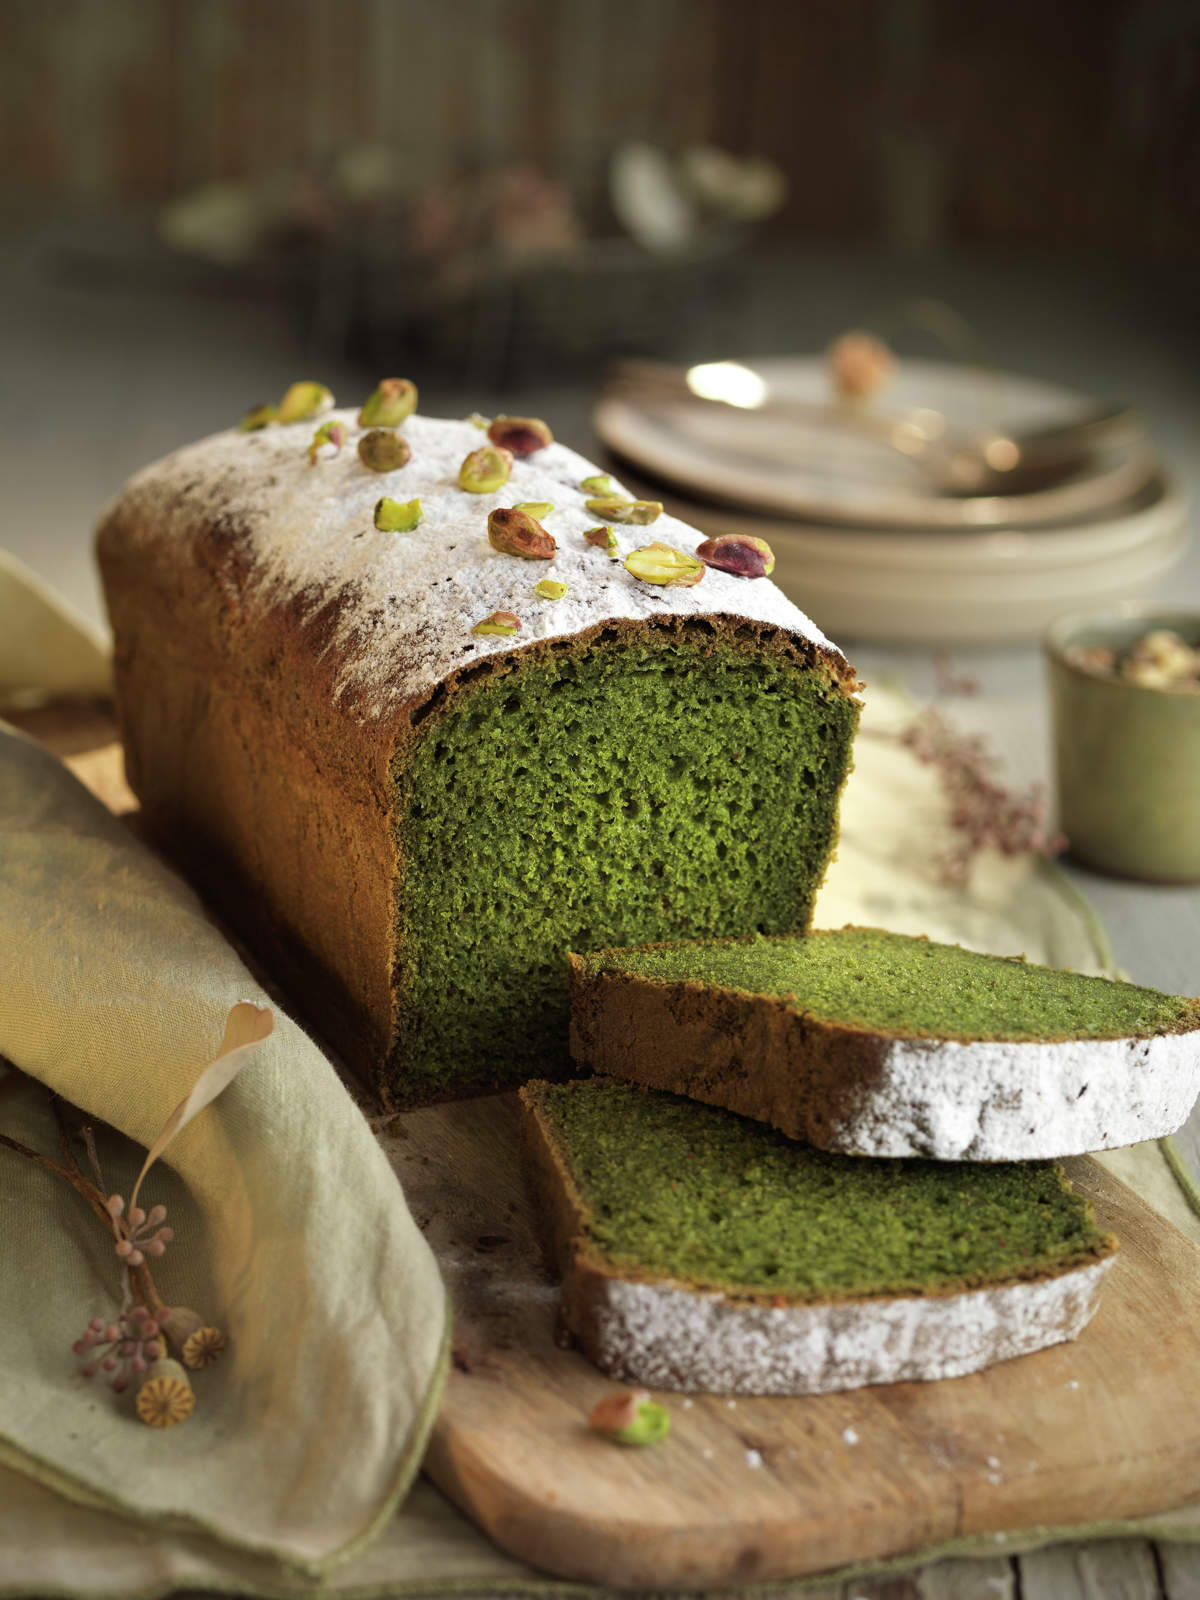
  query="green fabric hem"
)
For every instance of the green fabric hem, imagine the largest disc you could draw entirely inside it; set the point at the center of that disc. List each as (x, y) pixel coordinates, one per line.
(1180, 1171)
(1088, 915)
(80, 1493)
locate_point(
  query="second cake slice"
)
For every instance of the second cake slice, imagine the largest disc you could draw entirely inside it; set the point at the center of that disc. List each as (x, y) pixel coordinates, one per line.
(875, 1043)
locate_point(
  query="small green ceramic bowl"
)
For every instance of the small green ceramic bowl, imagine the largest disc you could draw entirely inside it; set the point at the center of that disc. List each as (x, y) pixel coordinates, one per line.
(1127, 757)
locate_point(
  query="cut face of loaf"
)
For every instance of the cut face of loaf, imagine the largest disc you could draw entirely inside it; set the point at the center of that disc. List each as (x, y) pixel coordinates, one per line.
(411, 823)
(702, 1251)
(879, 1044)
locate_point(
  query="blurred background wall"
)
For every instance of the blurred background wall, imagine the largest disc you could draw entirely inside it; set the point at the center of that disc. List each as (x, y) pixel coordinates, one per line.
(915, 124)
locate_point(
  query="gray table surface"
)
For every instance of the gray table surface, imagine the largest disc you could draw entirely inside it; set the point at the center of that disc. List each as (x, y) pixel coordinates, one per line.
(100, 379)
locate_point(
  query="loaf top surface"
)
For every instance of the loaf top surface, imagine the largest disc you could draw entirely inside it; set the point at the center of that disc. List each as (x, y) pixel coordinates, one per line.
(405, 603)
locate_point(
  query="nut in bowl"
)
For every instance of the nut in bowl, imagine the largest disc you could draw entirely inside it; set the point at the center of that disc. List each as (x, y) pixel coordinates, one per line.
(1125, 693)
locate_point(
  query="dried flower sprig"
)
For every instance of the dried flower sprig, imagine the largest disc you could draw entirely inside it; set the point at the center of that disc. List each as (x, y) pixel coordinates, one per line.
(133, 1344)
(983, 813)
(123, 1348)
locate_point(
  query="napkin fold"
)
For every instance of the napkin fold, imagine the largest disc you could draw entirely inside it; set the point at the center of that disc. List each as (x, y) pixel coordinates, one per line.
(291, 1231)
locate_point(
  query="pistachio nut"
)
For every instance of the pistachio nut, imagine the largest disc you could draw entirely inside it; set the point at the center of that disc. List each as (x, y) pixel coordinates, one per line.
(663, 564)
(600, 483)
(521, 435)
(258, 417)
(397, 516)
(550, 589)
(333, 433)
(502, 623)
(604, 539)
(390, 403)
(485, 470)
(383, 451)
(617, 508)
(738, 553)
(535, 508)
(304, 400)
(518, 534)
(630, 1417)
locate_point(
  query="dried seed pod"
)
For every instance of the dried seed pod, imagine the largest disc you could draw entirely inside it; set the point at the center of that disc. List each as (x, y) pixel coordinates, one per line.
(485, 470)
(618, 508)
(859, 365)
(258, 417)
(518, 534)
(165, 1395)
(738, 553)
(304, 400)
(630, 1417)
(663, 564)
(521, 435)
(550, 589)
(198, 1344)
(604, 539)
(391, 402)
(383, 451)
(333, 433)
(502, 623)
(396, 516)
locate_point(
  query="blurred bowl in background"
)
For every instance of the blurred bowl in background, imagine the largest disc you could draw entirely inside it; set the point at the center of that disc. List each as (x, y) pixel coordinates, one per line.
(1127, 756)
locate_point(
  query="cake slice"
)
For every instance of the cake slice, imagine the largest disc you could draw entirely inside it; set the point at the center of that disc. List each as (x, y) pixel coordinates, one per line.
(880, 1044)
(699, 1250)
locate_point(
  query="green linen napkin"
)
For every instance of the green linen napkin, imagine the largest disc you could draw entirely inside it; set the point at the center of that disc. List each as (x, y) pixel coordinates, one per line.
(291, 1230)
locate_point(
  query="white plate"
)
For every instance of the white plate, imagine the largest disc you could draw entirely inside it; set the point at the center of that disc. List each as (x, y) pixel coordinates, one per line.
(830, 473)
(986, 587)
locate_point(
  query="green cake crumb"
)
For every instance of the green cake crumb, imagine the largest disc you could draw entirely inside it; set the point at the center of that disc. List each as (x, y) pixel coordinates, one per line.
(681, 790)
(892, 982)
(675, 1189)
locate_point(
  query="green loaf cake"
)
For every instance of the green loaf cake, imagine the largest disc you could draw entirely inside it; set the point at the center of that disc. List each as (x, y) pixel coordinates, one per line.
(699, 1250)
(414, 767)
(880, 1044)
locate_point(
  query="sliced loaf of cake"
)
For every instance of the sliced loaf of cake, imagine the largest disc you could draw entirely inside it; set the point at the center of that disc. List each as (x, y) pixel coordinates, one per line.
(880, 1044)
(419, 731)
(699, 1250)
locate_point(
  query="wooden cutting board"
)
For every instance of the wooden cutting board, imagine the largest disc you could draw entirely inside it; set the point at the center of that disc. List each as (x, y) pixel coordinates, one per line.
(751, 1490)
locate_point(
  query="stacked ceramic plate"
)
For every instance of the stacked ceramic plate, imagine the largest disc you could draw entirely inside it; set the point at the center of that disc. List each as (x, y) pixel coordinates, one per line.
(869, 536)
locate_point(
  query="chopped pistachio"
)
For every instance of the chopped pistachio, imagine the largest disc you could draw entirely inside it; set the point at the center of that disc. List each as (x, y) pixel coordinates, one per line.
(503, 623)
(485, 470)
(535, 508)
(600, 483)
(662, 563)
(396, 516)
(258, 417)
(518, 534)
(630, 1417)
(550, 589)
(333, 433)
(304, 400)
(478, 420)
(521, 435)
(604, 539)
(617, 508)
(383, 451)
(391, 402)
(738, 553)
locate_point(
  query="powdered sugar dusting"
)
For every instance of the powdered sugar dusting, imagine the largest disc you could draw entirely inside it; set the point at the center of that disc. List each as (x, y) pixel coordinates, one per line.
(996, 1100)
(675, 1338)
(410, 600)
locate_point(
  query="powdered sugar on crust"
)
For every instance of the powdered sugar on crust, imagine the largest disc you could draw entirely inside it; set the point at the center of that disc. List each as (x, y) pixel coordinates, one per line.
(673, 1338)
(407, 601)
(992, 1100)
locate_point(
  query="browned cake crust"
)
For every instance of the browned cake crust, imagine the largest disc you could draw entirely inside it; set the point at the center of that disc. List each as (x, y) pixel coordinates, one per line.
(265, 719)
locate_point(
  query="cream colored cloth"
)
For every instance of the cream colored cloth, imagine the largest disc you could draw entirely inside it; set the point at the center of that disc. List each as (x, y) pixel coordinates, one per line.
(291, 1231)
(45, 648)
